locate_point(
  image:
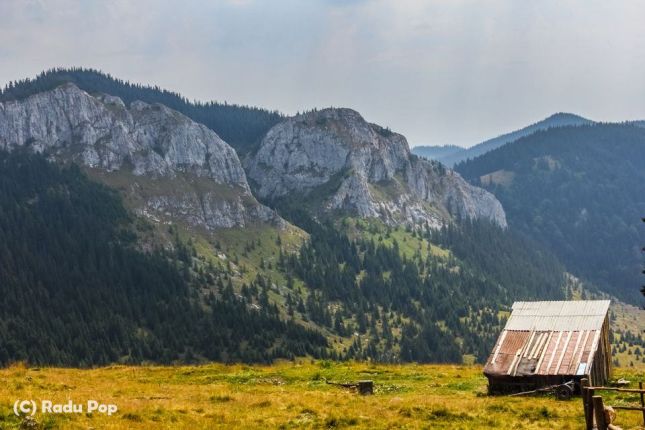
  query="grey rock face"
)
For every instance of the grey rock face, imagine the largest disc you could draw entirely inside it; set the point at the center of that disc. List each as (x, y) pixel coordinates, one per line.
(152, 140)
(368, 171)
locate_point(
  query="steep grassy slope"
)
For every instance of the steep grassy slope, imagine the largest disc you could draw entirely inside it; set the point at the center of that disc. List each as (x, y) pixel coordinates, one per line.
(628, 343)
(290, 396)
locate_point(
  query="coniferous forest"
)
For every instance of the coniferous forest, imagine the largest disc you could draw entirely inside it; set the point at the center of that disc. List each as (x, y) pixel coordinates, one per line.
(75, 290)
(452, 304)
(577, 191)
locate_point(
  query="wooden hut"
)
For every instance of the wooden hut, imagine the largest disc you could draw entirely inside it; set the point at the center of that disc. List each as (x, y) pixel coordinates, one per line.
(550, 343)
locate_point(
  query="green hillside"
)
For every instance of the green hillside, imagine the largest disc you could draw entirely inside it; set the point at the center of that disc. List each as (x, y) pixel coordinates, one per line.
(76, 288)
(74, 258)
(578, 191)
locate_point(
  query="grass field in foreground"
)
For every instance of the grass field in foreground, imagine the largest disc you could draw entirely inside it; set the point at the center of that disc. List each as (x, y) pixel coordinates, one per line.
(288, 396)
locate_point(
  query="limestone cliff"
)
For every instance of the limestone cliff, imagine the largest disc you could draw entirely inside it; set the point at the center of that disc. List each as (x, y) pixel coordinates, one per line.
(336, 158)
(147, 141)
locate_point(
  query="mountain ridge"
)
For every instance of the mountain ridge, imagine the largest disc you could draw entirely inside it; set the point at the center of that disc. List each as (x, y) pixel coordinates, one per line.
(559, 119)
(240, 126)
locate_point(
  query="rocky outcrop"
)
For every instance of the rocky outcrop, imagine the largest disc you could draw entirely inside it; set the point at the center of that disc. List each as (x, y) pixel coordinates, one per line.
(148, 140)
(335, 157)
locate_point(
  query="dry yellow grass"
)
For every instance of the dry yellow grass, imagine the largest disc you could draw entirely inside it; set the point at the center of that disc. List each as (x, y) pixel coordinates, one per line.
(286, 395)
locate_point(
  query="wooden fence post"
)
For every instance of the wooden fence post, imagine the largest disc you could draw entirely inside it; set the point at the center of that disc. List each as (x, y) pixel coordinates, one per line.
(599, 413)
(584, 384)
(590, 406)
(640, 387)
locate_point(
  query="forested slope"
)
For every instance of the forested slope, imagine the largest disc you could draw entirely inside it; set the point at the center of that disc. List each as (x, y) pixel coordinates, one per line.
(579, 191)
(418, 295)
(74, 289)
(451, 155)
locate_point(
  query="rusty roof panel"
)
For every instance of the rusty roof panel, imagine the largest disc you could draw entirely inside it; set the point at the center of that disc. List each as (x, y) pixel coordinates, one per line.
(514, 341)
(548, 353)
(545, 353)
(508, 344)
(567, 355)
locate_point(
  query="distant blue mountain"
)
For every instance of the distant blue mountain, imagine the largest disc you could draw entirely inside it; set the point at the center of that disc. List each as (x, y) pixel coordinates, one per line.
(450, 158)
(435, 152)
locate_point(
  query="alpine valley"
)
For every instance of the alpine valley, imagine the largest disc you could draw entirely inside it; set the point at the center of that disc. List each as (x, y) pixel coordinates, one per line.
(136, 226)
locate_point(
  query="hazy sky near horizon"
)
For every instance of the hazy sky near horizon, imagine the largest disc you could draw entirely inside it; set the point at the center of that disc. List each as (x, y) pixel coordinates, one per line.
(440, 72)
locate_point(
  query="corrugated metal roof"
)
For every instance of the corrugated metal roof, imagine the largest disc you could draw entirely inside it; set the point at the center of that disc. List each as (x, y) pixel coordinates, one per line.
(548, 338)
(521, 353)
(561, 315)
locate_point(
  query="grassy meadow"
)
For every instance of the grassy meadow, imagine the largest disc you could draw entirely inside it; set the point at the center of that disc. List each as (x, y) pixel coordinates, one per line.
(287, 396)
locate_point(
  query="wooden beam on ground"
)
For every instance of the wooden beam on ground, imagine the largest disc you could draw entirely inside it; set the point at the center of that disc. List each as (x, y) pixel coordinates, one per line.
(629, 408)
(621, 390)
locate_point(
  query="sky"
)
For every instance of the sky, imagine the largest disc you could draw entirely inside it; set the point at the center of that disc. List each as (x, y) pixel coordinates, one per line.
(438, 71)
